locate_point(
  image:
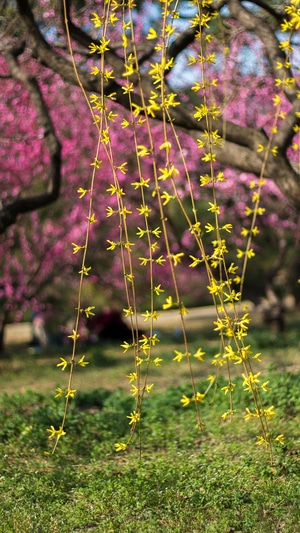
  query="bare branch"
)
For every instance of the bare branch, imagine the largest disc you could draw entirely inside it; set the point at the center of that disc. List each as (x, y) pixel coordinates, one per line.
(183, 40)
(268, 37)
(45, 53)
(269, 9)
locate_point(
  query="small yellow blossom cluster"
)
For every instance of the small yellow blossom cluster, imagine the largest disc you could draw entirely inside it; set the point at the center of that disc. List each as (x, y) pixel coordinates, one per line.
(197, 397)
(199, 354)
(258, 413)
(293, 12)
(64, 363)
(68, 393)
(145, 343)
(266, 440)
(56, 433)
(133, 378)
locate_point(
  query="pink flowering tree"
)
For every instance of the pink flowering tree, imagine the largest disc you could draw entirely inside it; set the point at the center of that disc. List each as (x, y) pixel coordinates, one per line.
(48, 137)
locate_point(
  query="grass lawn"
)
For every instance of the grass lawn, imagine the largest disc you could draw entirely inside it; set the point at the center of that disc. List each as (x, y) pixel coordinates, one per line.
(173, 478)
(21, 370)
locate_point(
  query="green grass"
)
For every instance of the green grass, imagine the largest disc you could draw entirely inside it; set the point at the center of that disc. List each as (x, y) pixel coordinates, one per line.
(216, 480)
(173, 478)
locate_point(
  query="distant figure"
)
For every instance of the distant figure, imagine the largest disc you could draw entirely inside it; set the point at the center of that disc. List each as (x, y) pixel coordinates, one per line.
(39, 335)
(108, 325)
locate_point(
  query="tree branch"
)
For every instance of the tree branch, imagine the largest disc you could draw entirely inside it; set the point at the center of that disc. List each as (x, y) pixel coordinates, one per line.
(268, 37)
(278, 169)
(269, 9)
(45, 53)
(10, 212)
(183, 40)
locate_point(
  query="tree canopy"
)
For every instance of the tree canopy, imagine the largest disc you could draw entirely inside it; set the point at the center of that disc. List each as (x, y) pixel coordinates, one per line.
(252, 26)
(252, 72)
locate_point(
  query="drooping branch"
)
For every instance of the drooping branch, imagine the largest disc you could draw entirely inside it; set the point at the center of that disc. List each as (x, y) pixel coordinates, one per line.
(12, 210)
(285, 134)
(81, 37)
